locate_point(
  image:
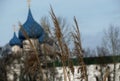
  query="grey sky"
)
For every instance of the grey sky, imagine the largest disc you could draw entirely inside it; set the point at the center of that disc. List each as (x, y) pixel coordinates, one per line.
(93, 16)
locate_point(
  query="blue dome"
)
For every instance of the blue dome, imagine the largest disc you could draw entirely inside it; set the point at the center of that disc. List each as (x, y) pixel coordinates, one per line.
(41, 38)
(15, 41)
(31, 27)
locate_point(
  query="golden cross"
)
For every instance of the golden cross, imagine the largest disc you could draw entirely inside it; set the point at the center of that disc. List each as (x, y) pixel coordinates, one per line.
(28, 2)
(14, 28)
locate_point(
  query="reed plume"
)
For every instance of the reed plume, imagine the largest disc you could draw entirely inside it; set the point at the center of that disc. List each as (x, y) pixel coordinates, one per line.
(79, 51)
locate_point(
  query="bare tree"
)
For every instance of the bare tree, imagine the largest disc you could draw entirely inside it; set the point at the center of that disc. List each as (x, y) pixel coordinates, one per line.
(90, 53)
(111, 42)
(64, 26)
(101, 52)
(87, 52)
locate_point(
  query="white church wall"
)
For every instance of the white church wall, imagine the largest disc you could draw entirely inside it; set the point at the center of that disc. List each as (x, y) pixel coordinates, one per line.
(27, 46)
(16, 49)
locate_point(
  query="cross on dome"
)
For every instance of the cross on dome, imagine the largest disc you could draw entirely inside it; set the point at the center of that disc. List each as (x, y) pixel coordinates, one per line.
(14, 28)
(29, 1)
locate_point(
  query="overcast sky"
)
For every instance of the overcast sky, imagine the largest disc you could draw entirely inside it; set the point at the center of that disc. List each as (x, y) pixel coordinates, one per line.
(93, 16)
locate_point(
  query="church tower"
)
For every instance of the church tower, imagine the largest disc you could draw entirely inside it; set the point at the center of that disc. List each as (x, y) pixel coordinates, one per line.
(33, 30)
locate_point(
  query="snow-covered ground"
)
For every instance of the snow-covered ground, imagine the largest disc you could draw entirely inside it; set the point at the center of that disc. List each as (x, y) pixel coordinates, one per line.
(93, 71)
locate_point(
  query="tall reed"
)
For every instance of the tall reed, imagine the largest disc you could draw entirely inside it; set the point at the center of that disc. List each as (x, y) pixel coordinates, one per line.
(79, 51)
(64, 52)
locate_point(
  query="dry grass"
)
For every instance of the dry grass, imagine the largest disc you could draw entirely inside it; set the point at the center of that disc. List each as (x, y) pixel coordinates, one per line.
(64, 52)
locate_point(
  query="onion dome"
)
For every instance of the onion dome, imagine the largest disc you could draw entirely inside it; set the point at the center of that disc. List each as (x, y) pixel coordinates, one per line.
(42, 38)
(31, 27)
(15, 41)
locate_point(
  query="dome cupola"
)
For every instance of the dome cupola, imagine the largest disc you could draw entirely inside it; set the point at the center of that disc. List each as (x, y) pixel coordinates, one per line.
(15, 41)
(31, 27)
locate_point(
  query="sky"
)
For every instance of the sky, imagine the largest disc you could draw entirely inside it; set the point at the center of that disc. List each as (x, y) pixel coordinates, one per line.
(94, 16)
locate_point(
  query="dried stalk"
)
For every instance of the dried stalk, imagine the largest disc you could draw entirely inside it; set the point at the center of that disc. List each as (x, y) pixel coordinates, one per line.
(79, 50)
(61, 44)
(106, 75)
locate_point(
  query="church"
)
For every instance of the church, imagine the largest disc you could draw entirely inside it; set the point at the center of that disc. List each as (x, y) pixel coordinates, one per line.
(31, 39)
(29, 60)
